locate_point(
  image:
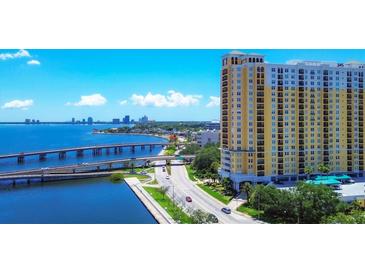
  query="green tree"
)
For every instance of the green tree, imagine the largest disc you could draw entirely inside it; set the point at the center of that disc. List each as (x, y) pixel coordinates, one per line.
(214, 167)
(132, 166)
(356, 217)
(323, 168)
(190, 149)
(308, 170)
(200, 217)
(247, 189)
(205, 157)
(315, 202)
(163, 190)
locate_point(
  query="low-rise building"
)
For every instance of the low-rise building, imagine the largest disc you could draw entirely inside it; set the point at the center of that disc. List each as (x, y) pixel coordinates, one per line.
(207, 137)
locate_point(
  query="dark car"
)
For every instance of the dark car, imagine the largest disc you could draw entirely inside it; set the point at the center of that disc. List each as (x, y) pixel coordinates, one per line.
(336, 187)
(188, 199)
(226, 210)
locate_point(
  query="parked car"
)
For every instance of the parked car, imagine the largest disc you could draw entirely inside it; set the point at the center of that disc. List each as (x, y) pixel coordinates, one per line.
(143, 172)
(167, 177)
(336, 187)
(226, 210)
(188, 199)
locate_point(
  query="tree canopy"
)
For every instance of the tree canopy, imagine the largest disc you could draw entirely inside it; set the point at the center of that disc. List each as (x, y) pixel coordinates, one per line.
(305, 203)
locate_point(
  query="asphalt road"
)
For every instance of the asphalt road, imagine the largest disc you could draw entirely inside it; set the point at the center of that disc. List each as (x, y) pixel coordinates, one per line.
(180, 186)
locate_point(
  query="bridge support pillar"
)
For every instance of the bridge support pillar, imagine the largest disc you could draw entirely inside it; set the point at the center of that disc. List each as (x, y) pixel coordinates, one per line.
(42, 156)
(120, 149)
(20, 159)
(142, 147)
(100, 151)
(133, 149)
(151, 148)
(62, 155)
(79, 153)
(107, 151)
(115, 150)
(110, 166)
(98, 168)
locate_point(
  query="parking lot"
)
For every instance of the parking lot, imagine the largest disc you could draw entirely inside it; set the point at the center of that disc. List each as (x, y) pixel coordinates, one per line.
(350, 192)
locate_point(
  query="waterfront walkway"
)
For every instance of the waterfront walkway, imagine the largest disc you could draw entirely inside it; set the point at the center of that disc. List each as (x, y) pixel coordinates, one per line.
(159, 213)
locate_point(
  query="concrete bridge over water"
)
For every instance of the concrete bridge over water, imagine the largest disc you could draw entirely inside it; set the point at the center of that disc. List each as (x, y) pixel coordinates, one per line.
(97, 150)
(86, 170)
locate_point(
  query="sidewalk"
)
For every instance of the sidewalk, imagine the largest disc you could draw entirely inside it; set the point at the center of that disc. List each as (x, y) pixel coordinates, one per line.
(159, 213)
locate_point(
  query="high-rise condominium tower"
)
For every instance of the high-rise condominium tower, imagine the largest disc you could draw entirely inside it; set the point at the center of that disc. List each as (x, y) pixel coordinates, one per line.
(276, 119)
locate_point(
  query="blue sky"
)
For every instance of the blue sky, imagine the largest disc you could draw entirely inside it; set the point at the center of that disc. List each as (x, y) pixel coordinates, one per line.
(163, 84)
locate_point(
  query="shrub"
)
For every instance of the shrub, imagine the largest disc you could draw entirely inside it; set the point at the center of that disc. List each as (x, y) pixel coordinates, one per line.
(116, 177)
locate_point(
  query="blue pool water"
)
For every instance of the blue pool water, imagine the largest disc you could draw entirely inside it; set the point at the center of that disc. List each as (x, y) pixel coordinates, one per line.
(77, 201)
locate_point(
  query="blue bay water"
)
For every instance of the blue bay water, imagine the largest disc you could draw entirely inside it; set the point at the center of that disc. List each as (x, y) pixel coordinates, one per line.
(27, 138)
(77, 201)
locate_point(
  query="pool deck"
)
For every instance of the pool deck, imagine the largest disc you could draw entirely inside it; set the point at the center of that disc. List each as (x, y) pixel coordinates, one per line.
(159, 213)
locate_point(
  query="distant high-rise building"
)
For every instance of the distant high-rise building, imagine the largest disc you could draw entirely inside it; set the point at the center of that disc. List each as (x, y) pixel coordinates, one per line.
(90, 121)
(143, 119)
(73, 120)
(27, 121)
(126, 119)
(116, 121)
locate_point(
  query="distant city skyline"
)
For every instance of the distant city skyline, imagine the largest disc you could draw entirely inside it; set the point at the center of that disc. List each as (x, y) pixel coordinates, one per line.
(165, 85)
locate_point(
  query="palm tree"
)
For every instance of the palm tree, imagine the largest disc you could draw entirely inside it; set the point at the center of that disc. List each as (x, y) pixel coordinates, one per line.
(323, 168)
(308, 170)
(247, 188)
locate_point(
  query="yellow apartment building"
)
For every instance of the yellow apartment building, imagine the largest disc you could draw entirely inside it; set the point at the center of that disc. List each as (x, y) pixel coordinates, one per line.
(276, 119)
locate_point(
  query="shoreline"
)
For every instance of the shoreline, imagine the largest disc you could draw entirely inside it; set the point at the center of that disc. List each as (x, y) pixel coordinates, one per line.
(138, 134)
(157, 212)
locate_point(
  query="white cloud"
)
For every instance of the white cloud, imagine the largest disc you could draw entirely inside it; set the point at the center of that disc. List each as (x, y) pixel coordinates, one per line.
(18, 104)
(34, 62)
(214, 101)
(90, 100)
(172, 99)
(19, 54)
(123, 102)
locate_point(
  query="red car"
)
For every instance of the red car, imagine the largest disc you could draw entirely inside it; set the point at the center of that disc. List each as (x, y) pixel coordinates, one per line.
(188, 199)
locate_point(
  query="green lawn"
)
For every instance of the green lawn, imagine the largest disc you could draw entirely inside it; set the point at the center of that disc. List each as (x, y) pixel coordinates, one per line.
(191, 173)
(219, 196)
(139, 169)
(249, 211)
(173, 210)
(170, 151)
(154, 182)
(138, 176)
